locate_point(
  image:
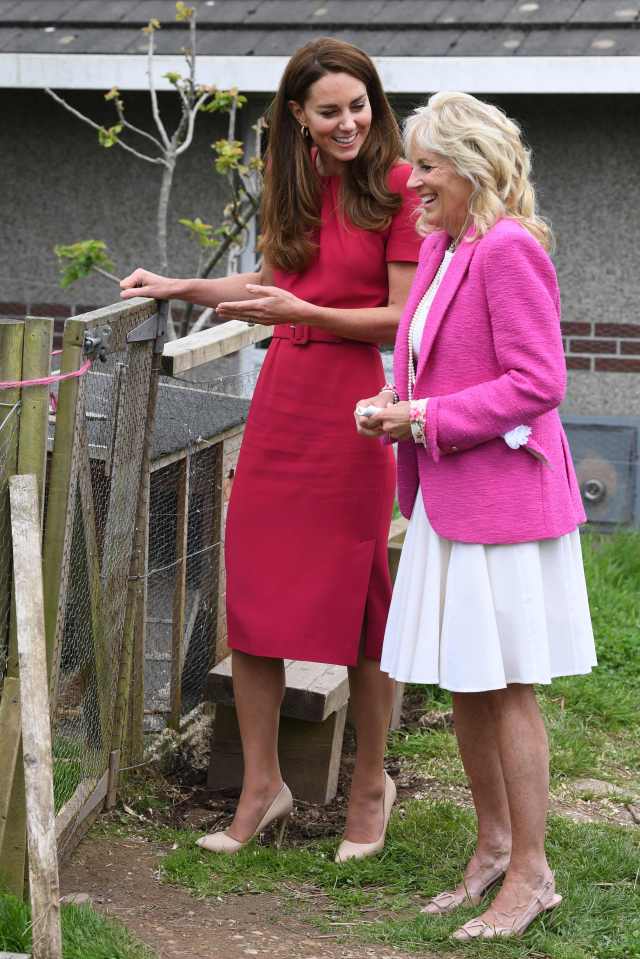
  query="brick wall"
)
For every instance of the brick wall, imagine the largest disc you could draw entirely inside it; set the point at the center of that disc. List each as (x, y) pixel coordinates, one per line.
(602, 347)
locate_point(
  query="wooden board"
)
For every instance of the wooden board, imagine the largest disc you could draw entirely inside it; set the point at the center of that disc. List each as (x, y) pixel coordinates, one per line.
(314, 691)
(34, 708)
(10, 733)
(309, 754)
(191, 351)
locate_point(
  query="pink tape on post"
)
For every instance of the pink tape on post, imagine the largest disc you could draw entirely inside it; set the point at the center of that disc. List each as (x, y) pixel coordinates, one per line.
(46, 380)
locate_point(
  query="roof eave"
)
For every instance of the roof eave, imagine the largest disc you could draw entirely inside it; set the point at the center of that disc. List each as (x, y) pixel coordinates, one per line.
(256, 74)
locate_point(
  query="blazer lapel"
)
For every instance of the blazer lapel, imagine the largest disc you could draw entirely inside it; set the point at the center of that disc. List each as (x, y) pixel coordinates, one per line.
(446, 291)
(423, 279)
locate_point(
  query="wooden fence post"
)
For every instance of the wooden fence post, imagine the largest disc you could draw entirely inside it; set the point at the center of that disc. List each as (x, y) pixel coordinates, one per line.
(34, 413)
(36, 724)
(34, 342)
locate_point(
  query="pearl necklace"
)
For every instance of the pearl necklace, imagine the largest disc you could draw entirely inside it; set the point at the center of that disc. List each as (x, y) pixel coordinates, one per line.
(411, 378)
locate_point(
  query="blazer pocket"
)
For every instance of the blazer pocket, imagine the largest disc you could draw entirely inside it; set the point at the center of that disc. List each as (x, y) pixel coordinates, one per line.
(534, 449)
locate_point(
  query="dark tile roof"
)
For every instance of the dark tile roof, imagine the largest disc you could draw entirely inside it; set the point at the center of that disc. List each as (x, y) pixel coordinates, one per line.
(382, 27)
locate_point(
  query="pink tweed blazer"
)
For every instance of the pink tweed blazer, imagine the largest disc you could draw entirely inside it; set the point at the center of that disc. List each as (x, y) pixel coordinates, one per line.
(491, 359)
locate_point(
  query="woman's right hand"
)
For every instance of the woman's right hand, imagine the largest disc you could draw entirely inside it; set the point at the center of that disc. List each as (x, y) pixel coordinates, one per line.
(363, 423)
(143, 283)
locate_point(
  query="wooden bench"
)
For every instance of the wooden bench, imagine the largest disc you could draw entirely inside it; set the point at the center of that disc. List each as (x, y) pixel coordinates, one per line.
(312, 718)
(312, 721)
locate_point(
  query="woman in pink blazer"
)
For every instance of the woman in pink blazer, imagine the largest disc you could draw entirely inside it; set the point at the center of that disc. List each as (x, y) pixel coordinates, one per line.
(490, 596)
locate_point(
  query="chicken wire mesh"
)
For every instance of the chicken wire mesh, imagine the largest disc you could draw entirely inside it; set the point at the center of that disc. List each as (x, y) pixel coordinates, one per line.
(199, 420)
(107, 451)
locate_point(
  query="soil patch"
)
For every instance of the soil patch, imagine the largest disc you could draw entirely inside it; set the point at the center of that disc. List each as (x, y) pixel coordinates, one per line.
(121, 878)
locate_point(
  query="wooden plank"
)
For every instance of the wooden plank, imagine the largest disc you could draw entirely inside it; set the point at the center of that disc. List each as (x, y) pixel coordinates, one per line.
(302, 699)
(13, 854)
(180, 356)
(309, 754)
(11, 340)
(14, 844)
(34, 413)
(136, 568)
(10, 733)
(114, 772)
(180, 593)
(36, 728)
(75, 817)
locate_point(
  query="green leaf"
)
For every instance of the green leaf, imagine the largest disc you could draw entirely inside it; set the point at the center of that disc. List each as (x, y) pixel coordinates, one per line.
(77, 260)
(203, 233)
(172, 77)
(152, 26)
(229, 155)
(113, 94)
(223, 101)
(108, 137)
(183, 12)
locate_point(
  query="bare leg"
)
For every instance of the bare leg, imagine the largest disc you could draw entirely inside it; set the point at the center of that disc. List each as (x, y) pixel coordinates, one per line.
(524, 754)
(258, 687)
(477, 739)
(371, 703)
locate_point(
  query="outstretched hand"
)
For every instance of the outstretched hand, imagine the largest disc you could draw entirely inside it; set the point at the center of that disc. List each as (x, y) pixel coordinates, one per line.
(143, 283)
(268, 305)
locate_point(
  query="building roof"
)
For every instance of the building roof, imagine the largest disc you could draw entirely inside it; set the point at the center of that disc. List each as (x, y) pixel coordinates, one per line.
(407, 28)
(554, 46)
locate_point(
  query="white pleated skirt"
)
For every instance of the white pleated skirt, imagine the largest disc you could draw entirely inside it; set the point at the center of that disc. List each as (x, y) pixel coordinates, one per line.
(472, 618)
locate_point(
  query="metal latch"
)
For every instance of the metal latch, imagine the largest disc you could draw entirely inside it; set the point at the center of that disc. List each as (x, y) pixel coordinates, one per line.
(153, 328)
(96, 343)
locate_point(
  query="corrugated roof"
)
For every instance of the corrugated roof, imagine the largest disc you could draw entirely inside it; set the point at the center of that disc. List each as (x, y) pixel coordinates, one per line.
(438, 28)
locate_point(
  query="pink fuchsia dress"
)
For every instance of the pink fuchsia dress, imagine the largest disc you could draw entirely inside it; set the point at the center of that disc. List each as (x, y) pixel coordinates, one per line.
(308, 521)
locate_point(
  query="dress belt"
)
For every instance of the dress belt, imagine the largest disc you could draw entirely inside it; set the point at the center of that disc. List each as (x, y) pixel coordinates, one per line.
(300, 334)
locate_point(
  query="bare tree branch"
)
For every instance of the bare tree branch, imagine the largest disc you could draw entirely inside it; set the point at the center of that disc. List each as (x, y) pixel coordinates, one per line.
(192, 122)
(134, 129)
(154, 96)
(96, 126)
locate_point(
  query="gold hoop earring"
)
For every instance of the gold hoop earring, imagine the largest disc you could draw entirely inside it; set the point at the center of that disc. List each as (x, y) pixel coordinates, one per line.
(303, 130)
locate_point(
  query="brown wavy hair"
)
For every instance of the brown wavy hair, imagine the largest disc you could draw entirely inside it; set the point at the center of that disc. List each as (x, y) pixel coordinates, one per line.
(291, 201)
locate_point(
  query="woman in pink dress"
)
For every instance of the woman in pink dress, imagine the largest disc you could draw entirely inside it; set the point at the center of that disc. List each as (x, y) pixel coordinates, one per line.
(306, 537)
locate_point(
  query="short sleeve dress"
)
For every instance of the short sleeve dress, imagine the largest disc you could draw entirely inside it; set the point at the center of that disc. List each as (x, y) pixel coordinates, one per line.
(308, 520)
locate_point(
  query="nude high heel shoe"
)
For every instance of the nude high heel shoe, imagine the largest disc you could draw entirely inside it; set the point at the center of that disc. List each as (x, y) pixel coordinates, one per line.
(449, 901)
(544, 900)
(278, 810)
(360, 850)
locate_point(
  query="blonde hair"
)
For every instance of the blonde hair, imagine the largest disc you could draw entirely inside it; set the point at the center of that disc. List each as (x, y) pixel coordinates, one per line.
(485, 147)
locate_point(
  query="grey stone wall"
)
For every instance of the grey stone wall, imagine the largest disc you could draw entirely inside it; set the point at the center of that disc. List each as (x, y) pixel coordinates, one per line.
(60, 186)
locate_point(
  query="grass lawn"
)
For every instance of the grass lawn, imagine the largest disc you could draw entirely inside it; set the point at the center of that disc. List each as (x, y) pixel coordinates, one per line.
(85, 934)
(594, 725)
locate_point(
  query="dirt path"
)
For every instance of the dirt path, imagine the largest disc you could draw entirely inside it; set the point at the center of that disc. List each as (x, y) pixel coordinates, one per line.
(121, 877)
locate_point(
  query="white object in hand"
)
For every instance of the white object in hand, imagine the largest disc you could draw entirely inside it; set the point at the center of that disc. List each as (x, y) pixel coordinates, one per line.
(368, 410)
(517, 437)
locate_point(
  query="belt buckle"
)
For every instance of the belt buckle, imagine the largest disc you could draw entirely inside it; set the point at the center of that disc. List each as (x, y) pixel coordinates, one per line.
(299, 334)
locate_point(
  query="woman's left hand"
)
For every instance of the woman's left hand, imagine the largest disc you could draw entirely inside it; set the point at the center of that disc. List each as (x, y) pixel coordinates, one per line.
(393, 420)
(269, 305)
